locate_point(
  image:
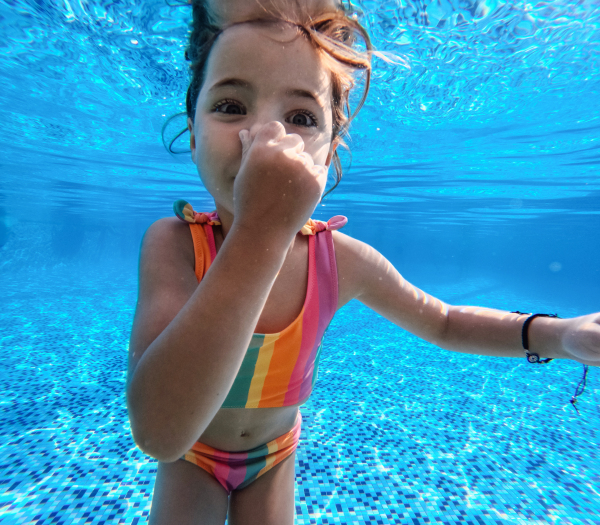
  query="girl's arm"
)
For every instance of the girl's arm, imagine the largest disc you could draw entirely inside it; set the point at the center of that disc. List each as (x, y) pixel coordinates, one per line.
(366, 275)
(188, 341)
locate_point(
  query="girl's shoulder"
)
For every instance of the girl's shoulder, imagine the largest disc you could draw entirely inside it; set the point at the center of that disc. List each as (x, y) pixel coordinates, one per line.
(168, 243)
(168, 226)
(169, 232)
(355, 261)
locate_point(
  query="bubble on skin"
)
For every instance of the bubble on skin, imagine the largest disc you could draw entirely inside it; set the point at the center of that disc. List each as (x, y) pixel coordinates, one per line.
(555, 267)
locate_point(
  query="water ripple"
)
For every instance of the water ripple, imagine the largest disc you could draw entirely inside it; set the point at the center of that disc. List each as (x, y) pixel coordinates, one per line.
(484, 90)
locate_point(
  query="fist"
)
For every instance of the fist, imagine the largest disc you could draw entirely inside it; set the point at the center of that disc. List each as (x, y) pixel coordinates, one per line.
(278, 182)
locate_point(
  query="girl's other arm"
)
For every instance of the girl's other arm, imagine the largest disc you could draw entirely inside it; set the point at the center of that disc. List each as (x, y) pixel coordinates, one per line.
(469, 329)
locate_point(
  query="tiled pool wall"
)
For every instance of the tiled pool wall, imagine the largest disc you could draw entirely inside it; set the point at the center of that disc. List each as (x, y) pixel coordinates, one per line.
(396, 431)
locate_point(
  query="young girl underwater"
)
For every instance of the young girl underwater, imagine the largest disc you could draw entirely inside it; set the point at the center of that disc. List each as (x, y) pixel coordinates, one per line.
(233, 304)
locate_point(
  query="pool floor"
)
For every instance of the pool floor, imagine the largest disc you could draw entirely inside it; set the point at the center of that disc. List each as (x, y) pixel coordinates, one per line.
(397, 431)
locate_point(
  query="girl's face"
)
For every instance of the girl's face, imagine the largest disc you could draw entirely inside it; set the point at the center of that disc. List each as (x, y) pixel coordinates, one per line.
(258, 74)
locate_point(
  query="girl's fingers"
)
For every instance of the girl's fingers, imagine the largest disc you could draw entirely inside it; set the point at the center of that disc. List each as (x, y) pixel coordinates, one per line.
(274, 133)
(321, 175)
(246, 141)
(292, 142)
(271, 132)
(306, 159)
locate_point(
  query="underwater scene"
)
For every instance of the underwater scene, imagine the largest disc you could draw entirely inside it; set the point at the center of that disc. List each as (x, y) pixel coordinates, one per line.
(473, 168)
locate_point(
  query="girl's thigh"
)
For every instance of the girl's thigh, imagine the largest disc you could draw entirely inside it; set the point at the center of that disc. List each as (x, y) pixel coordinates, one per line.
(186, 494)
(267, 501)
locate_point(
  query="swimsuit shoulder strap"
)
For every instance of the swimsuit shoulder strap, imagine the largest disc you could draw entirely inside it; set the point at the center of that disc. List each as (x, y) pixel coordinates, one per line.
(326, 267)
(204, 248)
(205, 251)
(202, 234)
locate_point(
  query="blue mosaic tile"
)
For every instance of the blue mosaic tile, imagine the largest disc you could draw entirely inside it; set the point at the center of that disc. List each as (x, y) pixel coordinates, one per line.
(396, 431)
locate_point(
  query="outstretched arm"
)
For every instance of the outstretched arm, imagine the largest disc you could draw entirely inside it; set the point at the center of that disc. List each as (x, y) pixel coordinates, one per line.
(366, 275)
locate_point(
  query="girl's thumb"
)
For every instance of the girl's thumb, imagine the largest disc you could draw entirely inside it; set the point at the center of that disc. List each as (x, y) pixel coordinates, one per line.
(246, 142)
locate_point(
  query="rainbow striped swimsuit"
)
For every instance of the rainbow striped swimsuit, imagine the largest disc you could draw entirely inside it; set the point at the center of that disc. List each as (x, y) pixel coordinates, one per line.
(279, 369)
(236, 470)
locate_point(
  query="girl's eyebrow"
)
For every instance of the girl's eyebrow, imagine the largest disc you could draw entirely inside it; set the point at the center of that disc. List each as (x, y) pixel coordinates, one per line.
(303, 93)
(235, 82)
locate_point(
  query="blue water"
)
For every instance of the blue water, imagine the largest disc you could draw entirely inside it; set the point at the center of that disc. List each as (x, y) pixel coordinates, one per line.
(474, 170)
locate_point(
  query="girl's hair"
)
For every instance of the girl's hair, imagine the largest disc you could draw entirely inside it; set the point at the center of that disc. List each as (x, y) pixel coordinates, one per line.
(332, 34)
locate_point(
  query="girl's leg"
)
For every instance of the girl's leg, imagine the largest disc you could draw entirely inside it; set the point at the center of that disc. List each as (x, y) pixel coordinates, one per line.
(186, 494)
(267, 501)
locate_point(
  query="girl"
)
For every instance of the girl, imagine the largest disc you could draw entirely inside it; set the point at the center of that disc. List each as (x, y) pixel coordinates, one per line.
(233, 304)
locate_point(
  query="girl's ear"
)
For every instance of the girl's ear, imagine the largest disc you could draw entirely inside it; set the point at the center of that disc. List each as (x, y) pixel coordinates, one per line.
(332, 149)
(192, 136)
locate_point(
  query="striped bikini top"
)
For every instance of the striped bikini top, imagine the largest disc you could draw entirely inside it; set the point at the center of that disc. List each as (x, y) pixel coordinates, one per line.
(279, 369)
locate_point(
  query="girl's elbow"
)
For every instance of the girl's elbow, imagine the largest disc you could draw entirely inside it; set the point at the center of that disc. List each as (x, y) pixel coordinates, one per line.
(153, 439)
(157, 450)
(152, 443)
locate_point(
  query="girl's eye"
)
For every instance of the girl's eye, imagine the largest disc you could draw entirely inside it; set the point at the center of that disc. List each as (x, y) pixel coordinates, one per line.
(229, 107)
(302, 118)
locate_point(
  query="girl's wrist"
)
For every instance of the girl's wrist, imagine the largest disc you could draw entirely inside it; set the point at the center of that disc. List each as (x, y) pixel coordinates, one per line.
(261, 238)
(581, 339)
(269, 234)
(546, 337)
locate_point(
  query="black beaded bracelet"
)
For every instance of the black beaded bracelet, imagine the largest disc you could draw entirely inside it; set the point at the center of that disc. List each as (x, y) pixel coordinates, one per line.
(531, 357)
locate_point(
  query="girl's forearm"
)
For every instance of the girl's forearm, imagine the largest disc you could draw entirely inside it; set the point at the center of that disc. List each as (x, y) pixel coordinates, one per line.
(183, 377)
(485, 331)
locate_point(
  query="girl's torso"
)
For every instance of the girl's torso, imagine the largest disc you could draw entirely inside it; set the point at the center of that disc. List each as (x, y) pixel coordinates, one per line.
(237, 429)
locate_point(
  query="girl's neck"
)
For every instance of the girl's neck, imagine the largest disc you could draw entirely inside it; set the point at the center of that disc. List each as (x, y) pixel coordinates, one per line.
(226, 219)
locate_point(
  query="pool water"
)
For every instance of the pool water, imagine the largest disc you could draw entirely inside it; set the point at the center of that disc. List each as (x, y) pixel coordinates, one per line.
(474, 171)
(396, 431)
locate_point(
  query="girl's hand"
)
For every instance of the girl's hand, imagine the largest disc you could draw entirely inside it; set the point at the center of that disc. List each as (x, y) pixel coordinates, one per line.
(278, 184)
(581, 339)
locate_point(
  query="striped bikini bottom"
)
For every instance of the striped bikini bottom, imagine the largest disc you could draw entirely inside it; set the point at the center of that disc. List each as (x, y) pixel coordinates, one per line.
(236, 470)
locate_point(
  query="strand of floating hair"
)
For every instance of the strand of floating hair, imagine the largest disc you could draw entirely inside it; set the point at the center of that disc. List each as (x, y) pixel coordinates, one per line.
(337, 161)
(391, 58)
(341, 53)
(169, 147)
(349, 56)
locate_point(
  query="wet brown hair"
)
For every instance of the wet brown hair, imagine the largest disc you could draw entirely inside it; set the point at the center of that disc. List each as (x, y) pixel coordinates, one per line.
(334, 35)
